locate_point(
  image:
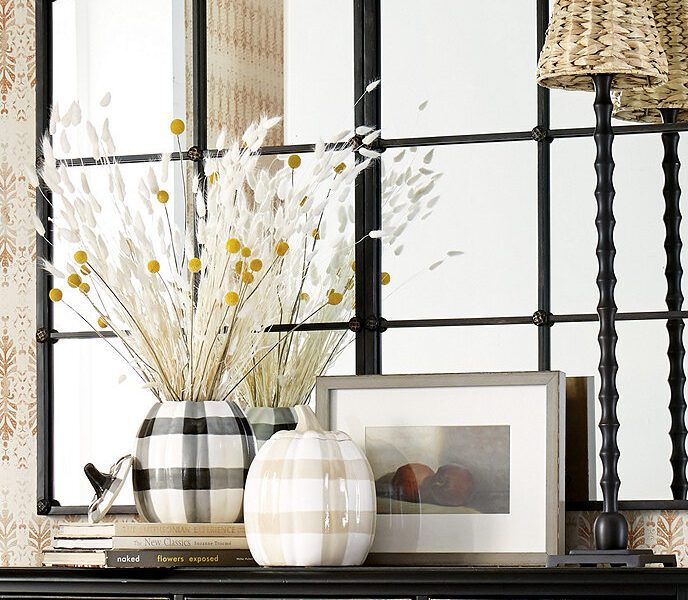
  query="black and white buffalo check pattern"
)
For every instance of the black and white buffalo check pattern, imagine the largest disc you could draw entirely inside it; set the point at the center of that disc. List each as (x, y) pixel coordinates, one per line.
(191, 462)
(266, 421)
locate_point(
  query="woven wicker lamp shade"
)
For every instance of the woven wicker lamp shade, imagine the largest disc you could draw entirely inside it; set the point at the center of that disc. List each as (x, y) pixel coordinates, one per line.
(643, 104)
(597, 37)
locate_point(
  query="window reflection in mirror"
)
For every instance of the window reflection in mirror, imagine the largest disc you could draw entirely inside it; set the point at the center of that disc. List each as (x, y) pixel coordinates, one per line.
(134, 51)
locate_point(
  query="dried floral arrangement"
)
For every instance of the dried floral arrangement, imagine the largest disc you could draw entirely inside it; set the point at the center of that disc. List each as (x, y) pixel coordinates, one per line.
(325, 267)
(266, 240)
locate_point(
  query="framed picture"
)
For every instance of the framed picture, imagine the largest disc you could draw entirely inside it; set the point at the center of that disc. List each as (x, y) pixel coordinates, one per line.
(469, 468)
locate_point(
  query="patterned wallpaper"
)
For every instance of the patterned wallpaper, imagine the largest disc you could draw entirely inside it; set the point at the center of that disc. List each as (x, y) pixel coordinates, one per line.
(245, 65)
(22, 534)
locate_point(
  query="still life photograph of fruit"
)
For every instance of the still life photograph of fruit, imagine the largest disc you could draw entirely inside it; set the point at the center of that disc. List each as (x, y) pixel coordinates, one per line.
(440, 470)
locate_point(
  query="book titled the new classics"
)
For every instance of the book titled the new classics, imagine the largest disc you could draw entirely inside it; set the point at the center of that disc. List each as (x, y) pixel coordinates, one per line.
(108, 530)
(148, 542)
(178, 558)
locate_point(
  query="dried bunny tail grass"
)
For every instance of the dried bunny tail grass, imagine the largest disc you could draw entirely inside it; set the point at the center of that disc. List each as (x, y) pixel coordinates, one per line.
(326, 265)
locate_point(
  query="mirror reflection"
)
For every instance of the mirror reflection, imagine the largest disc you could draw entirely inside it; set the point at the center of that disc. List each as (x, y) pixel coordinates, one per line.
(132, 63)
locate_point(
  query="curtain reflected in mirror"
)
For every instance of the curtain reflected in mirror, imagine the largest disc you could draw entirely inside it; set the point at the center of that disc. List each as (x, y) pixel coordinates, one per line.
(292, 58)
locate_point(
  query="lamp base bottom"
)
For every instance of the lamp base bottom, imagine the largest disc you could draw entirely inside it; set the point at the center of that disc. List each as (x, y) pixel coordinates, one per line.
(612, 558)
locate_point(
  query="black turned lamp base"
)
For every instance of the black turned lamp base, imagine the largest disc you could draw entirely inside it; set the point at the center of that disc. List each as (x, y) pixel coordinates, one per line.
(613, 558)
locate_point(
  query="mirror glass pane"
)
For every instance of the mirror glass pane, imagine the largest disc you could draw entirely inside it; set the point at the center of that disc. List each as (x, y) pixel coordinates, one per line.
(468, 60)
(460, 349)
(63, 317)
(99, 406)
(639, 233)
(281, 57)
(484, 206)
(134, 51)
(644, 442)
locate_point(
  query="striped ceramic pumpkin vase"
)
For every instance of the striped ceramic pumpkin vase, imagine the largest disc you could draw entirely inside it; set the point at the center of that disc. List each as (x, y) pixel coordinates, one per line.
(266, 421)
(310, 499)
(191, 462)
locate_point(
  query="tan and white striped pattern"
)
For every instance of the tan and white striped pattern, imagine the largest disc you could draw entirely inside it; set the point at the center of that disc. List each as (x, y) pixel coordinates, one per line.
(643, 104)
(594, 37)
(310, 499)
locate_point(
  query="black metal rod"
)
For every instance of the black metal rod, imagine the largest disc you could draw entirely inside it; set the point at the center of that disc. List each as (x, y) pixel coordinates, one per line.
(368, 192)
(579, 132)
(543, 200)
(125, 159)
(453, 140)
(441, 140)
(423, 323)
(44, 309)
(625, 316)
(609, 527)
(200, 116)
(676, 352)
(200, 74)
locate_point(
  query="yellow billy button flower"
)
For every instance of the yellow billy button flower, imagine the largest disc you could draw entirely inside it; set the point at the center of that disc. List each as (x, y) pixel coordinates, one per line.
(281, 248)
(153, 266)
(294, 161)
(239, 267)
(256, 264)
(195, 264)
(385, 278)
(339, 168)
(102, 322)
(84, 288)
(315, 234)
(212, 178)
(162, 196)
(231, 298)
(85, 270)
(334, 298)
(303, 200)
(304, 297)
(233, 245)
(177, 127)
(80, 257)
(55, 294)
(245, 252)
(74, 280)
(247, 277)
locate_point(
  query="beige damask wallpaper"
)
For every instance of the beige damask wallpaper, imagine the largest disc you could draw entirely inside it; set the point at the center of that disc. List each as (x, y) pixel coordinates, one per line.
(22, 534)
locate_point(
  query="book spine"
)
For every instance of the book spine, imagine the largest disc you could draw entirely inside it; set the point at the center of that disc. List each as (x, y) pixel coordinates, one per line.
(178, 558)
(179, 530)
(179, 543)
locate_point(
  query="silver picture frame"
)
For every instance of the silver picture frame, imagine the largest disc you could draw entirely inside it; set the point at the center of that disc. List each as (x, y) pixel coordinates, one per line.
(554, 384)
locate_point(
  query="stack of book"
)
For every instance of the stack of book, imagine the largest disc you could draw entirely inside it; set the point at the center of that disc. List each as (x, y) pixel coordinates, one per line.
(149, 545)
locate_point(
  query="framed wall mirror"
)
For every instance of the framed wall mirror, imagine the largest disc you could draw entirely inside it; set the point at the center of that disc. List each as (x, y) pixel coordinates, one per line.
(515, 198)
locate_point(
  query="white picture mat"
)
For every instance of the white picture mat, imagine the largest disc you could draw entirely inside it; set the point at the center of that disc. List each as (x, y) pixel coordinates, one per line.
(522, 408)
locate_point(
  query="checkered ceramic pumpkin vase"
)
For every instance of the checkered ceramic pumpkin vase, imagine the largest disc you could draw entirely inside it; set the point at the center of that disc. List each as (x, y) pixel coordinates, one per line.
(266, 421)
(310, 498)
(191, 462)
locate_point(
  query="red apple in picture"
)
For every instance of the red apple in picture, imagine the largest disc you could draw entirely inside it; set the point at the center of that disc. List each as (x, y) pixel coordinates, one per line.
(452, 485)
(408, 479)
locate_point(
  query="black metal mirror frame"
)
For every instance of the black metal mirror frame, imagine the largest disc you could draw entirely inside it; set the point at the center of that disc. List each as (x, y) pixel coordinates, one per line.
(369, 323)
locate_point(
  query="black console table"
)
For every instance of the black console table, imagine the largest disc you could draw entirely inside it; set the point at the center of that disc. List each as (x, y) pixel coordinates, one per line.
(417, 583)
